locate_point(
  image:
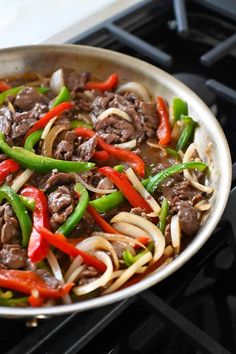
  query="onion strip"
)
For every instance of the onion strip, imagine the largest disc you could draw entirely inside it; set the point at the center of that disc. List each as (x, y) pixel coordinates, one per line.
(130, 230)
(73, 277)
(203, 205)
(48, 127)
(57, 273)
(57, 81)
(93, 189)
(49, 139)
(136, 88)
(74, 265)
(146, 225)
(175, 231)
(98, 242)
(129, 272)
(190, 176)
(118, 112)
(128, 144)
(140, 188)
(102, 281)
(119, 238)
(21, 180)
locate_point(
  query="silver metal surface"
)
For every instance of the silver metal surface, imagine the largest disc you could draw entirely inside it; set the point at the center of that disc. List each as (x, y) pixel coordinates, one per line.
(46, 58)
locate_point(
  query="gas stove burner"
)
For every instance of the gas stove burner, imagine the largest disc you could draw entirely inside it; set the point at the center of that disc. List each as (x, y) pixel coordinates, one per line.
(197, 83)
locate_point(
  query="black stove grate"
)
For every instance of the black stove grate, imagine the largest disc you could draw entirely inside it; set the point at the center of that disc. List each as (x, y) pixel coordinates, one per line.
(193, 310)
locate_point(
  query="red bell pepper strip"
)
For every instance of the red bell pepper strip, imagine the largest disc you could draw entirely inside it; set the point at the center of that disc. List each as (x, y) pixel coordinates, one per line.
(7, 167)
(121, 181)
(109, 84)
(132, 159)
(164, 129)
(4, 86)
(59, 241)
(38, 248)
(56, 111)
(101, 156)
(35, 301)
(100, 221)
(25, 281)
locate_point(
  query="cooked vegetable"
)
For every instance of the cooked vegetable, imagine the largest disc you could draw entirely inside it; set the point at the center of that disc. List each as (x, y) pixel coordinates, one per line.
(11, 92)
(33, 139)
(107, 202)
(186, 136)
(164, 129)
(163, 215)
(63, 96)
(7, 167)
(38, 248)
(7, 193)
(109, 84)
(136, 88)
(78, 212)
(180, 108)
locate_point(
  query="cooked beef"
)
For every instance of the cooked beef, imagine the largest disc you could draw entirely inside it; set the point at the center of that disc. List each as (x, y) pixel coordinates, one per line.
(179, 191)
(144, 118)
(23, 121)
(188, 218)
(27, 98)
(48, 278)
(86, 150)
(85, 227)
(92, 177)
(61, 204)
(6, 120)
(138, 211)
(115, 130)
(75, 81)
(72, 148)
(87, 276)
(9, 227)
(13, 257)
(57, 179)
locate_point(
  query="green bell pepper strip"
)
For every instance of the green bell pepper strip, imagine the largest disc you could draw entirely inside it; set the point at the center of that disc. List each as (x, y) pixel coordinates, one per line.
(163, 215)
(41, 163)
(42, 89)
(33, 139)
(63, 96)
(119, 168)
(129, 259)
(14, 302)
(29, 203)
(172, 152)
(187, 134)
(21, 213)
(78, 213)
(155, 181)
(11, 92)
(107, 202)
(80, 124)
(180, 108)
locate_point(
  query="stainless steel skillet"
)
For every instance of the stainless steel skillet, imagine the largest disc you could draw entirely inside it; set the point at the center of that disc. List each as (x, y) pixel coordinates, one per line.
(47, 58)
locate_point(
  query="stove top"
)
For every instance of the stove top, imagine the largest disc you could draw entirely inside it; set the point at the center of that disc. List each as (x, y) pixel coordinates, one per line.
(194, 310)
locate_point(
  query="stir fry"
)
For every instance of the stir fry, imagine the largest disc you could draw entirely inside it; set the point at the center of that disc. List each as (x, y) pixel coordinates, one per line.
(100, 184)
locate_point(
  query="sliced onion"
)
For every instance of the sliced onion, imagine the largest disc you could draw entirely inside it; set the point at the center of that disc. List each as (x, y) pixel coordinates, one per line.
(74, 265)
(98, 242)
(190, 176)
(21, 180)
(129, 272)
(118, 273)
(136, 88)
(156, 146)
(146, 225)
(57, 273)
(74, 276)
(175, 231)
(203, 205)
(119, 238)
(105, 183)
(169, 250)
(48, 127)
(118, 112)
(57, 81)
(140, 188)
(102, 281)
(130, 230)
(11, 107)
(128, 144)
(93, 189)
(50, 138)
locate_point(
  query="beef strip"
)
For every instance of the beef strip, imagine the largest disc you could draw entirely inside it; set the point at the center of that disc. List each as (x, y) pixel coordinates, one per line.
(71, 147)
(75, 81)
(57, 179)
(87, 276)
(48, 278)
(28, 97)
(9, 227)
(188, 218)
(176, 191)
(61, 204)
(6, 120)
(23, 121)
(13, 257)
(144, 118)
